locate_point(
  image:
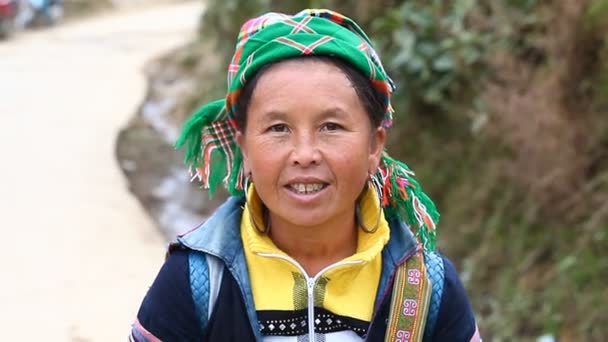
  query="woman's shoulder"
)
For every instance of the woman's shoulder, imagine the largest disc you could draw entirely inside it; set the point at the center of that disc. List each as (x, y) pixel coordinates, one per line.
(456, 320)
(167, 311)
(216, 234)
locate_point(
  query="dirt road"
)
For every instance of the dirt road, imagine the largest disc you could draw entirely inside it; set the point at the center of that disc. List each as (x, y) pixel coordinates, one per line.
(78, 250)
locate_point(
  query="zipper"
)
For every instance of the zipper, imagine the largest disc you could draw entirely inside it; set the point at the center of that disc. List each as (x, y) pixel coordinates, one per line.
(310, 285)
(311, 308)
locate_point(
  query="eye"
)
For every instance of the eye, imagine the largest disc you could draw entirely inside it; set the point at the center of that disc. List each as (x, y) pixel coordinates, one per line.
(331, 126)
(278, 128)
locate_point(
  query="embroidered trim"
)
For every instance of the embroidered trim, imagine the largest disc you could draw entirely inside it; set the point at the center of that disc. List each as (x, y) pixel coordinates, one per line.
(140, 334)
(295, 323)
(409, 302)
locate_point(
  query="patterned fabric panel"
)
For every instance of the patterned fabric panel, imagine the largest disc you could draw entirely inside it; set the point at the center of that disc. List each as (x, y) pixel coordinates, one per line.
(436, 273)
(199, 283)
(340, 336)
(410, 301)
(295, 323)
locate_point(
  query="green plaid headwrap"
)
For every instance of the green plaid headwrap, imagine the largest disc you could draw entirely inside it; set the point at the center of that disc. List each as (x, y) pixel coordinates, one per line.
(209, 135)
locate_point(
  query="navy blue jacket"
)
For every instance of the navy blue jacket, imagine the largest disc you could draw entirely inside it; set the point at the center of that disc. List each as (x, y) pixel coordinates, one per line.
(168, 311)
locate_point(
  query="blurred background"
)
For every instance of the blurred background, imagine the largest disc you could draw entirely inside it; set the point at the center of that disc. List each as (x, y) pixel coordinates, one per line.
(501, 109)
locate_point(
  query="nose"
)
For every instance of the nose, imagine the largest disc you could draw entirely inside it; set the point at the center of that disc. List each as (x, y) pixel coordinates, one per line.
(305, 151)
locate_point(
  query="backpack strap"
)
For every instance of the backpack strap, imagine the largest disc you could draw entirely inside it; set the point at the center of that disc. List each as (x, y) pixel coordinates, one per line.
(205, 279)
(417, 290)
(436, 273)
(409, 301)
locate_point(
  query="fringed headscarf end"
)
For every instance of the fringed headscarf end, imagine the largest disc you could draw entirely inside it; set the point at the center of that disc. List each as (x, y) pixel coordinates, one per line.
(211, 151)
(402, 197)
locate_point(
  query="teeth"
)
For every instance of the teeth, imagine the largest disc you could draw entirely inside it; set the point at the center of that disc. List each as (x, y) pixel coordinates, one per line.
(306, 188)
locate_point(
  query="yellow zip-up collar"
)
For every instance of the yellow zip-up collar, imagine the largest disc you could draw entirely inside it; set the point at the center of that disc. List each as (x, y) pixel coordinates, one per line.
(346, 288)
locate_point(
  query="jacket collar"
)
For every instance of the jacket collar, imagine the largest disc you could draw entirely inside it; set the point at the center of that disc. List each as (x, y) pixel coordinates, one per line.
(369, 245)
(220, 236)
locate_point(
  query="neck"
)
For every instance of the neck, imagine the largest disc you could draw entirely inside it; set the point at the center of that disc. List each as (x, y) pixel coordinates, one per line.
(316, 247)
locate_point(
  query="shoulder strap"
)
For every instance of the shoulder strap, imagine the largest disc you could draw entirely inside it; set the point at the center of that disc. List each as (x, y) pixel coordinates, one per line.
(205, 278)
(416, 298)
(409, 301)
(435, 271)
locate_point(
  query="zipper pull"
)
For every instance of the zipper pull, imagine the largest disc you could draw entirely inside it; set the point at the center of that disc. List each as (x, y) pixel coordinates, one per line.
(311, 284)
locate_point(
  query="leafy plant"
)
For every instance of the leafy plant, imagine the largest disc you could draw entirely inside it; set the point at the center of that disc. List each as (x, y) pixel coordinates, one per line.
(431, 51)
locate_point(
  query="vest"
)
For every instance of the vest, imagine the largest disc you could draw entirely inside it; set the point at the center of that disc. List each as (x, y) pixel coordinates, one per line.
(209, 282)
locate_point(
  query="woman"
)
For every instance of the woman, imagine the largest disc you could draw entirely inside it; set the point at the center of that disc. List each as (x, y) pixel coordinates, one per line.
(315, 244)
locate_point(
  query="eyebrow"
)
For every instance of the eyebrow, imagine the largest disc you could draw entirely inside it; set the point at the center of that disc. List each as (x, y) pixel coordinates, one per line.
(332, 112)
(273, 115)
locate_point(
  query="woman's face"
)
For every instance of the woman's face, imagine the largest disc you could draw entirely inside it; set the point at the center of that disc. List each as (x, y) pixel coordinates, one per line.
(309, 144)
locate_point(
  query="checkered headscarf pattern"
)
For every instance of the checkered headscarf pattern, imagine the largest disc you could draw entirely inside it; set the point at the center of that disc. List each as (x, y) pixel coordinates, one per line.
(210, 134)
(276, 36)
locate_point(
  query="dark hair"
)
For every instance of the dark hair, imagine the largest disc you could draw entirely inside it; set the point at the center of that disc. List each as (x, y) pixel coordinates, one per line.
(371, 98)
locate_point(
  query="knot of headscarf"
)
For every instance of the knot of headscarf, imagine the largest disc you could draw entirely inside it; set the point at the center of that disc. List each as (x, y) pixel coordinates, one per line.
(209, 135)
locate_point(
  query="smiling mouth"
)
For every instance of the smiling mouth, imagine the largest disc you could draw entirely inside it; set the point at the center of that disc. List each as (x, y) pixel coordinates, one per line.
(306, 189)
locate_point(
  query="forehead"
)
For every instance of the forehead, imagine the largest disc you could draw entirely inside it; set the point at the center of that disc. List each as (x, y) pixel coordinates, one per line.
(303, 84)
(304, 69)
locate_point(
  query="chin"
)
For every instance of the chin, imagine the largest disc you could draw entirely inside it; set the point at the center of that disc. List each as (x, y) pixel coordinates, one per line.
(306, 219)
